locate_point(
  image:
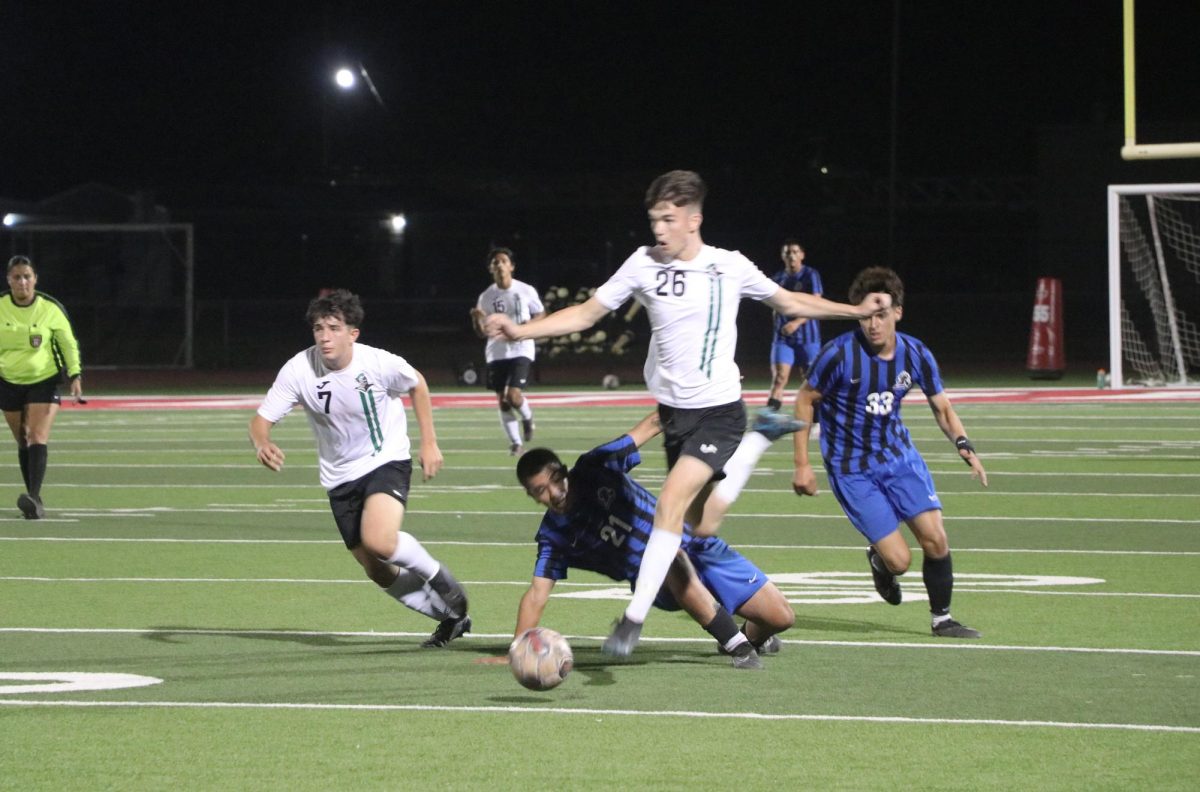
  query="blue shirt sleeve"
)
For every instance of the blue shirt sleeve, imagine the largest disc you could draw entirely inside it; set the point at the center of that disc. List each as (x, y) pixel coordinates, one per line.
(551, 561)
(620, 455)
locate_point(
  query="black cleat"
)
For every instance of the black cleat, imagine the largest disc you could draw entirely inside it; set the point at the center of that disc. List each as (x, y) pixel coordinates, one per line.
(447, 631)
(527, 427)
(624, 637)
(885, 582)
(514, 449)
(746, 658)
(451, 592)
(31, 506)
(949, 628)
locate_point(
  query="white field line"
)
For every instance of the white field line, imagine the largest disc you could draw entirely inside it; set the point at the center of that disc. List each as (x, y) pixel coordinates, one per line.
(931, 645)
(528, 545)
(357, 582)
(523, 513)
(592, 713)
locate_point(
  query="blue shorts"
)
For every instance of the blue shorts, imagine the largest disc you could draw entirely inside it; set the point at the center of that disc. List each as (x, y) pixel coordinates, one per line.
(878, 500)
(725, 572)
(793, 354)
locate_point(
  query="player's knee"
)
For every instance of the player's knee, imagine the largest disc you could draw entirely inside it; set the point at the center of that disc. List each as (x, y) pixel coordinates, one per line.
(505, 404)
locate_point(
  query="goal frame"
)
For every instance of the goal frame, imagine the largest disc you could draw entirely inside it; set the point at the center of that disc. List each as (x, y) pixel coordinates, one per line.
(1115, 192)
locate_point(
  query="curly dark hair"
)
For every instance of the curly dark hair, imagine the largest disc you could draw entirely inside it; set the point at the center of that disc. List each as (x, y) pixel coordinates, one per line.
(877, 279)
(340, 303)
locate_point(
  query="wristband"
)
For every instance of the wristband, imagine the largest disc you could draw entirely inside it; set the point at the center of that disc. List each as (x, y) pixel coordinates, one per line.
(963, 444)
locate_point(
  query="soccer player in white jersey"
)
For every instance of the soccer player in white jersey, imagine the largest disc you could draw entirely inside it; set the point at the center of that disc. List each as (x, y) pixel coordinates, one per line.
(691, 292)
(508, 362)
(351, 394)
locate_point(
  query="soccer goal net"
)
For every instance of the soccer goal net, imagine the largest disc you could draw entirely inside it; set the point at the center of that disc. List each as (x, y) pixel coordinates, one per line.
(128, 288)
(1154, 284)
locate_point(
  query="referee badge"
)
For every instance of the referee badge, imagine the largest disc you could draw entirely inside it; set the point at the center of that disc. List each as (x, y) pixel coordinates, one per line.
(35, 341)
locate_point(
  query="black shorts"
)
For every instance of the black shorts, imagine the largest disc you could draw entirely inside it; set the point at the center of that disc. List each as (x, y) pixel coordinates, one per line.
(13, 398)
(508, 373)
(347, 499)
(710, 434)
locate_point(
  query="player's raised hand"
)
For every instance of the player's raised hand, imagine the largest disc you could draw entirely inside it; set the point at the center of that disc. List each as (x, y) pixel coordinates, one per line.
(431, 459)
(271, 456)
(804, 480)
(499, 326)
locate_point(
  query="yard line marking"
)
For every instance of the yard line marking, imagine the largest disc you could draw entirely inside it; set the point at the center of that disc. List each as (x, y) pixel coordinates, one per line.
(592, 712)
(474, 637)
(961, 589)
(464, 543)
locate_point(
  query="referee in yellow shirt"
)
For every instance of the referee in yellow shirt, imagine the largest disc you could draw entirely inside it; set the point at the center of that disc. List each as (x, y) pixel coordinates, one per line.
(37, 346)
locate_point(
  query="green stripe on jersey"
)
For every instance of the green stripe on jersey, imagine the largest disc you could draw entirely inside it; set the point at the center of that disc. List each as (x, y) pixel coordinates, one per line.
(709, 350)
(368, 405)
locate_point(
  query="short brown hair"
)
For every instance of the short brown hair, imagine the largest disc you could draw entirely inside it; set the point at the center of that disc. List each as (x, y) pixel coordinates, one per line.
(678, 187)
(340, 303)
(877, 279)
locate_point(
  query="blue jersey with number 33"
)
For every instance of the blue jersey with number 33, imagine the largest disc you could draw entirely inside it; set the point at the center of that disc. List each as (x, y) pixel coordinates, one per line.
(859, 409)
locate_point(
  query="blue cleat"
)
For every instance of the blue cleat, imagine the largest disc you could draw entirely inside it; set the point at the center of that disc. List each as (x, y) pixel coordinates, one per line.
(774, 425)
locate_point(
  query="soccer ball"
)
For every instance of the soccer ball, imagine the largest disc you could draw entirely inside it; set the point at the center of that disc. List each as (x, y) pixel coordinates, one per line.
(610, 382)
(540, 658)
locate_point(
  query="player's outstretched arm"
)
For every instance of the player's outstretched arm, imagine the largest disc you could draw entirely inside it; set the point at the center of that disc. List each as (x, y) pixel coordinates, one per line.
(796, 304)
(269, 454)
(804, 479)
(646, 429)
(431, 455)
(571, 319)
(529, 613)
(951, 426)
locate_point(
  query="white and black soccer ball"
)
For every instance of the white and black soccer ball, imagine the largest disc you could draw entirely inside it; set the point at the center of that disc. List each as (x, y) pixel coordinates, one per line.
(610, 382)
(540, 658)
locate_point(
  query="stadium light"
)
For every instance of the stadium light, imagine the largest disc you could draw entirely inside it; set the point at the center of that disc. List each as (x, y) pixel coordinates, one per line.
(398, 222)
(11, 220)
(344, 78)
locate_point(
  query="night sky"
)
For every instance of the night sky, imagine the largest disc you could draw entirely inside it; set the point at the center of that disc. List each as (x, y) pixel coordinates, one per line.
(162, 95)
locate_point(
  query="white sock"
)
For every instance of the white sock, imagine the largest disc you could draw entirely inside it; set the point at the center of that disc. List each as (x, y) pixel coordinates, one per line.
(741, 465)
(736, 641)
(661, 548)
(411, 555)
(525, 410)
(414, 593)
(509, 422)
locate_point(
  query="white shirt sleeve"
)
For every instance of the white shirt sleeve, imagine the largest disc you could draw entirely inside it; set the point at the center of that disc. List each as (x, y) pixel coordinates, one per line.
(754, 284)
(622, 285)
(401, 377)
(283, 395)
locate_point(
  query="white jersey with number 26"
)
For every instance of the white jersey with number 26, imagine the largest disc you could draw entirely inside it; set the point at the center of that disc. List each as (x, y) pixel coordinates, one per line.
(356, 413)
(693, 307)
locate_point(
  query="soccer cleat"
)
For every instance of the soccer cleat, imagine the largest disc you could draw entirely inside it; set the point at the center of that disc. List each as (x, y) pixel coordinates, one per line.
(623, 638)
(527, 427)
(447, 630)
(745, 658)
(514, 449)
(948, 628)
(31, 506)
(885, 582)
(774, 425)
(450, 590)
(770, 646)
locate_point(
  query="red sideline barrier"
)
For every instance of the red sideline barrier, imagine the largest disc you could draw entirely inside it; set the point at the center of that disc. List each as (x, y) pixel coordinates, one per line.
(1046, 359)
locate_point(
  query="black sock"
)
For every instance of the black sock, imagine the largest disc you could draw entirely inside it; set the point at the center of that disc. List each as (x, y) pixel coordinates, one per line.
(722, 627)
(939, 583)
(23, 458)
(37, 467)
(774, 404)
